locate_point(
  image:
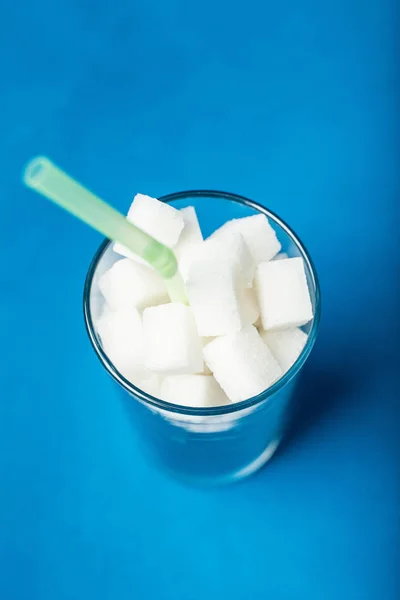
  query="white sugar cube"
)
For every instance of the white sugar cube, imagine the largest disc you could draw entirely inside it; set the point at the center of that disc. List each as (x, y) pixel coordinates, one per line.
(257, 233)
(213, 293)
(228, 247)
(128, 284)
(122, 340)
(283, 295)
(158, 219)
(249, 307)
(242, 364)
(199, 391)
(171, 342)
(232, 248)
(121, 337)
(191, 234)
(285, 345)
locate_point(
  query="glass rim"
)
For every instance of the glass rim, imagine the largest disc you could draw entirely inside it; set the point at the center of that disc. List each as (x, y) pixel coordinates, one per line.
(216, 410)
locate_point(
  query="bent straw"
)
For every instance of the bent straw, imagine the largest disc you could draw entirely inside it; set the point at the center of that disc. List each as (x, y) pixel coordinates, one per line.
(46, 178)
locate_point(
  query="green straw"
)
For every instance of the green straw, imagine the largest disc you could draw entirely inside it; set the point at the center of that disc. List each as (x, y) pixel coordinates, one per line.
(43, 176)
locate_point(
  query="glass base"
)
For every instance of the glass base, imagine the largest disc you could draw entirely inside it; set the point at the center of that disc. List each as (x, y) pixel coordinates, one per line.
(246, 471)
(257, 463)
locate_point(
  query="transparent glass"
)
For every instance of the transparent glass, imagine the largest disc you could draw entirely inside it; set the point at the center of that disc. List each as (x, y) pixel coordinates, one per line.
(208, 445)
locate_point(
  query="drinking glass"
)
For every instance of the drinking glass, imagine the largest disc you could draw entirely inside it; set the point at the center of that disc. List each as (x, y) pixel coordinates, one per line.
(208, 445)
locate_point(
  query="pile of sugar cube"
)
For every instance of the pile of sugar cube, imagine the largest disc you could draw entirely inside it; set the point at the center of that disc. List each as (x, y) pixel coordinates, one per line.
(241, 330)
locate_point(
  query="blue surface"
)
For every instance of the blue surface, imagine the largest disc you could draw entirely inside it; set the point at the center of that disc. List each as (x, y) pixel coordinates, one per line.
(292, 104)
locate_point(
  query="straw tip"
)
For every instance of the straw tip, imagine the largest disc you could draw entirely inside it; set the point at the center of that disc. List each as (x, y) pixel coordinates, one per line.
(35, 170)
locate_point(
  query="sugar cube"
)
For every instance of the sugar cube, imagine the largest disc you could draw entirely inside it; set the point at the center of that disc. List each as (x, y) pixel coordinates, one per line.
(285, 345)
(171, 342)
(242, 364)
(158, 219)
(213, 294)
(121, 337)
(228, 247)
(191, 234)
(199, 391)
(283, 295)
(258, 234)
(128, 284)
(232, 248)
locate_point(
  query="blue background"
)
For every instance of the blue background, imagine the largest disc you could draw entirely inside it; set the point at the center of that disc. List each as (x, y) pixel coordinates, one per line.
(293, 104)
